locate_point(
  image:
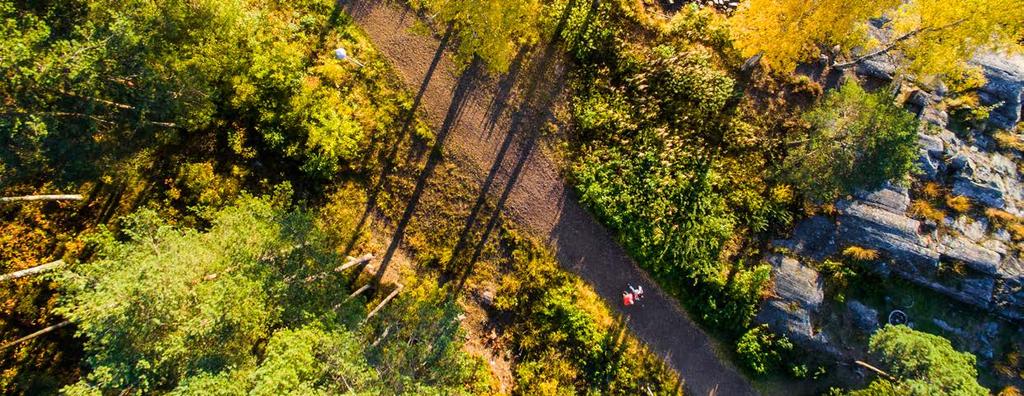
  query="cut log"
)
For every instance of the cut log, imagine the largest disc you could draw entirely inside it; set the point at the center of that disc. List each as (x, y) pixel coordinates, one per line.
(34, 335)
(63, 197)
(31, 271)
(386, 300)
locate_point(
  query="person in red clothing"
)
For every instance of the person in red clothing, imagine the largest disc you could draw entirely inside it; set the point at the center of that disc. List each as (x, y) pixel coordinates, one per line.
(627, 298)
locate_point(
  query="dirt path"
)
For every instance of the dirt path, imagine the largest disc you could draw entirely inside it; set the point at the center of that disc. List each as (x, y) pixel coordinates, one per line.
(496, 124)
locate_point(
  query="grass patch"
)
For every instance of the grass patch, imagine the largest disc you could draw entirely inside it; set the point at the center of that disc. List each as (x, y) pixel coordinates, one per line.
(958, 203)
(924, 210)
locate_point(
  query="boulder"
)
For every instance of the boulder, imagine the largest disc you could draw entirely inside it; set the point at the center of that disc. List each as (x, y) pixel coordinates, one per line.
(890, 198)
(1004, 84)
(974, 229)
(975, 179)
(877, 68)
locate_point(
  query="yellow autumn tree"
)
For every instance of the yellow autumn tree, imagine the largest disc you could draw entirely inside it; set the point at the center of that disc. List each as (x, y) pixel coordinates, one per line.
(494, 30)
(787, 32)
(938, 37)
(931, 37)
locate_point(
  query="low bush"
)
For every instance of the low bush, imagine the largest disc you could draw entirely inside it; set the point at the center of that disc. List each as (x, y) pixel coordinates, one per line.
(761, 351)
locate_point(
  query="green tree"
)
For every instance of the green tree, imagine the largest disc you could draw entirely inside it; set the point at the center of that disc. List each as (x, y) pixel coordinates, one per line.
(856, 141)
(924, 364)
(79, 101)
(169, 303)
(306, 361)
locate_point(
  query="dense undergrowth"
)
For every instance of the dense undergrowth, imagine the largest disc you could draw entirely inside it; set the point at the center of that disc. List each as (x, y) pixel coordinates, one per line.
(165, 116)
(666, 153)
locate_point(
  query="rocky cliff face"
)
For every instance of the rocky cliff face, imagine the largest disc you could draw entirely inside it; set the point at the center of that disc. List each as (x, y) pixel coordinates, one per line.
(967, 256)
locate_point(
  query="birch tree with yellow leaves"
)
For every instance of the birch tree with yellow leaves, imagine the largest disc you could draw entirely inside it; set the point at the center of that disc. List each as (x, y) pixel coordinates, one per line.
(927, 38)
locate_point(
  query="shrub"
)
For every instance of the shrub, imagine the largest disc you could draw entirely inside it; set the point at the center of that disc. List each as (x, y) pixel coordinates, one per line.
(958, 203)
(762, 351)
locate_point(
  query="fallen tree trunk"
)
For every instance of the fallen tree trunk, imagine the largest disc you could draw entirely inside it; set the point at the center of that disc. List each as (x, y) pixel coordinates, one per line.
(356, 293)
(34, 335)
(58, 197)
(382, 303)
(354, 261)
(31, 271)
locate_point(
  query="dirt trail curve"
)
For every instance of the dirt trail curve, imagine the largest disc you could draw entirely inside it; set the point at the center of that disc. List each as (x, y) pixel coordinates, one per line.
(495, 123)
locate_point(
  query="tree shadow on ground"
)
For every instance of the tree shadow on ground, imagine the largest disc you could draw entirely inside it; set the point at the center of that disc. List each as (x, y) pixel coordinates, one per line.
(525, 125)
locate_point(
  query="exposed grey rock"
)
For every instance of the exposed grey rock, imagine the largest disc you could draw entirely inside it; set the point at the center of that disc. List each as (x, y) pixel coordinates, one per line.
(931, 143)
(995, 246)
(929, 167)
(973, 255)
(921, 99)
(949, 328)
(975, 291)
(1005, 83)
(989, 179)
(798, 296)
(1002, 235)
(864, 317)
(813, 238)
(873, 226)
(877, 68)
(893, 199)
(974, 229)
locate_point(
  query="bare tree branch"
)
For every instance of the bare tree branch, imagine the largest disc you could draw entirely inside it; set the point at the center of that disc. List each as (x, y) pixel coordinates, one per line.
(892, 45)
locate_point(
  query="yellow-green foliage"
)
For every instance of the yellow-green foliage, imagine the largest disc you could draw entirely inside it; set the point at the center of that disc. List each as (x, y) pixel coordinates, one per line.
(494, 30)
(860, 254)
(789, 31)
(958, 203)
(935, 37)
(951, 32)
(924, 210)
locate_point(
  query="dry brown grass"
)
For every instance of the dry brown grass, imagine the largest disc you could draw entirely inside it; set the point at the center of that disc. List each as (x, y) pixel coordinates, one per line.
(931, 190)
(1000, 217)
(1009, 141)
(1016, 231)
(958, 203)
(1010, 390)
(924, 210)
(860, 254)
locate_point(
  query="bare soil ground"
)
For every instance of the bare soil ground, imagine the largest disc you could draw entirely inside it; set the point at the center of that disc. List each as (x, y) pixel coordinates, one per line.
(495, 122)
